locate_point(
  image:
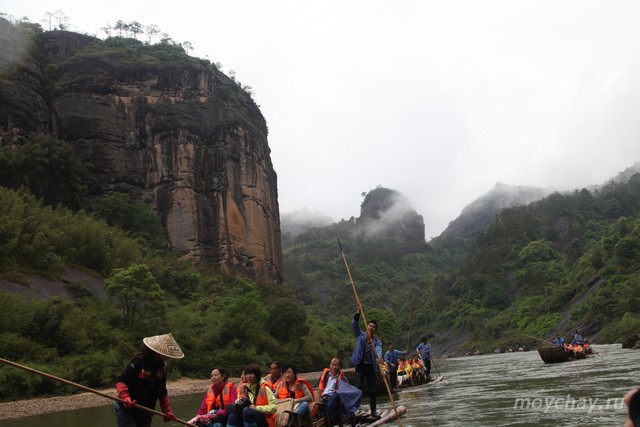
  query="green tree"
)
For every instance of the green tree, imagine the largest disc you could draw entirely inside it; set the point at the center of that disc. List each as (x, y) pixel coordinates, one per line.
(119, 210)
(287, 320)
(48, 167)
(137, 293)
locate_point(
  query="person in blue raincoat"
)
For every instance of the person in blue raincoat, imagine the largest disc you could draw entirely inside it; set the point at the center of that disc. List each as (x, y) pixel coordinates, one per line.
(366, 357)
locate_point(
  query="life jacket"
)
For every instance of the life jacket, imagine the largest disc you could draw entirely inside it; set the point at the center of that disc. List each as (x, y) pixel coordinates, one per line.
(298, 388)
(273, 385)
(408, 369)
(384, 368)
(260, 400)
(415, 366)
(219, 401)
(323, 380)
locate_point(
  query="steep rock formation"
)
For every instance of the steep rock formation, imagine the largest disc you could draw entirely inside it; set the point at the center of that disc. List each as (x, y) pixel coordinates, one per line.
(170, 129)
(389, 213)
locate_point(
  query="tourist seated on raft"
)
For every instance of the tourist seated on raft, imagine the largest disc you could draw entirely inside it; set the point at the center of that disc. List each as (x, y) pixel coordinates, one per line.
(291, 386)
(243, 380)
(408, 371)
(212, 412)
(274, 376)
(256, 403)
(384, 370)
(402, 374)
(345, 401)
(416, 375)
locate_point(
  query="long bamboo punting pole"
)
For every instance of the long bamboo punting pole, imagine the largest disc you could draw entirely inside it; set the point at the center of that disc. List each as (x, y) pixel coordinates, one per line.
(81, 387)
(364, 319)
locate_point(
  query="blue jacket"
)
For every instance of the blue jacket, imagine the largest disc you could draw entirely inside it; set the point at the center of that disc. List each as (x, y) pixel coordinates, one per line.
(391, 357)
(361, 337)
(424, 351)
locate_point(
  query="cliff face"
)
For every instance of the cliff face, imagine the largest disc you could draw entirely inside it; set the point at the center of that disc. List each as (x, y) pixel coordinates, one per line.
(167, 128)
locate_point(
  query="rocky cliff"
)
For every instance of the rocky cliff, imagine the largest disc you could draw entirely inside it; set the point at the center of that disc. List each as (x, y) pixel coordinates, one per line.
(150, 120)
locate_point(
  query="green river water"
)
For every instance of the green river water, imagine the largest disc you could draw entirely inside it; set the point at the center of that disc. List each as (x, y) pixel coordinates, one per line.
(510, 389)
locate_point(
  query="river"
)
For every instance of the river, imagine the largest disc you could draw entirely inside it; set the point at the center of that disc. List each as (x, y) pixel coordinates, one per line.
(509, 389)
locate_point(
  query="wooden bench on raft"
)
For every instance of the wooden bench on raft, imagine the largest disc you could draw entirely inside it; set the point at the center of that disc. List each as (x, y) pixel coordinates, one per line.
(320, 411)
(318, 408)
(284, 413)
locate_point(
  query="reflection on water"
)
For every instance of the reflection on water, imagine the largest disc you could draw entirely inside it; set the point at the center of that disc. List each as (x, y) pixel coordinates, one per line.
(511, 389)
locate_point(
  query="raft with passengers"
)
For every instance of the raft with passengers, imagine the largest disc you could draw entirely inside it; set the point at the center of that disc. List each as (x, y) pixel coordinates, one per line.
(561, 351)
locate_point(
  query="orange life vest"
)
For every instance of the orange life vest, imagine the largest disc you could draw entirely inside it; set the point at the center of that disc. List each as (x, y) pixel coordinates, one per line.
(322, 381)
(298, 388)
(213, 401)
(273, 385)
(261, 400)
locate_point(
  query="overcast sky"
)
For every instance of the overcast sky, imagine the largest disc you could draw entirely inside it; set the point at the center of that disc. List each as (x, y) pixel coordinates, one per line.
(439, 100)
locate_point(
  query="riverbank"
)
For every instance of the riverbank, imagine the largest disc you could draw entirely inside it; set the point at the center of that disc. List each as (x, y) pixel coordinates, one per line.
(45, 405)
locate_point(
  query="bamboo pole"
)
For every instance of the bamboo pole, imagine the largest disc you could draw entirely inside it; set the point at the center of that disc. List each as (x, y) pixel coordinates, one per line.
(81, 387)
(364, 319)
(539, 339)
(413, 312)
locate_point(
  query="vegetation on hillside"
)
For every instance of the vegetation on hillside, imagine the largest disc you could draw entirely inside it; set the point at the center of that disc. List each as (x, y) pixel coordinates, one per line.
(217, 319)
(567, 261)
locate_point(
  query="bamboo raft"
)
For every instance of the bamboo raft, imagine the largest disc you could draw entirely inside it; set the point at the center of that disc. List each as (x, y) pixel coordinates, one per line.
(557, 354)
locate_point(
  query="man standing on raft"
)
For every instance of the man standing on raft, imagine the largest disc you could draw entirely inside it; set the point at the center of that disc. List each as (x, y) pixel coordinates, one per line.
(366, 358)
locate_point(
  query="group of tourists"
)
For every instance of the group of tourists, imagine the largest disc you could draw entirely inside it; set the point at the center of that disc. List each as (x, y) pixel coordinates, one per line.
(250, 403)
(253, 401)
(404, 371)
(578, 344)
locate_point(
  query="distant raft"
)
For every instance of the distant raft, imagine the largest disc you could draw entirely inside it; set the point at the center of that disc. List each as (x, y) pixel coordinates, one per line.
(557, 354)
(380, 382)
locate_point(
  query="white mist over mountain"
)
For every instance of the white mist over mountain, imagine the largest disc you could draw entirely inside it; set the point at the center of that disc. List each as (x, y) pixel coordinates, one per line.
(436, 99)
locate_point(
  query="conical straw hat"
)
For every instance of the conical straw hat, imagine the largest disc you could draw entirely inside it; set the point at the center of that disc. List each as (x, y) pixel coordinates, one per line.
(164, 345)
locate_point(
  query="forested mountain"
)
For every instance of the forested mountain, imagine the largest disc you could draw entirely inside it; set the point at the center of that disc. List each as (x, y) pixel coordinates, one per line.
(477, 215)
(568, 261)
(135, 181)
(150, 121)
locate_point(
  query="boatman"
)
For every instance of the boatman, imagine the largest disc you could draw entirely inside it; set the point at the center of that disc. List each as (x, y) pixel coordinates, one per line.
(559, 341)
(577, 339)
(144, 381)
(366, 357)
(424, 350)
(391, 359)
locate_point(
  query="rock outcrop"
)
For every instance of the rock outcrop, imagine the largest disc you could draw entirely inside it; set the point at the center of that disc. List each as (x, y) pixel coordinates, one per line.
(168, 128)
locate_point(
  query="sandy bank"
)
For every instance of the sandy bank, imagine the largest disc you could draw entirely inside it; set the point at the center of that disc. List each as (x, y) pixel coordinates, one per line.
(25, 408)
